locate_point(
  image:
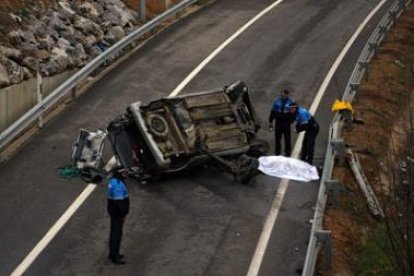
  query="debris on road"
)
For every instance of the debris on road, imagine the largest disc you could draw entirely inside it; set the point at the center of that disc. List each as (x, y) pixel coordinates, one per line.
(172, 134)
(372, 201)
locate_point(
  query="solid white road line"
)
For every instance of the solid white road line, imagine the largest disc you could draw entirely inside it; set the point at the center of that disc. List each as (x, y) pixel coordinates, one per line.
(341, 56)
(196, 70)
(257, 259)
(90, 188)
(40, 246)
(255, 265)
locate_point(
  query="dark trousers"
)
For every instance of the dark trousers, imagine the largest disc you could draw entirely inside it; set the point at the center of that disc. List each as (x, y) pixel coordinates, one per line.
(282, 129)
(115, 236)
(308, 145)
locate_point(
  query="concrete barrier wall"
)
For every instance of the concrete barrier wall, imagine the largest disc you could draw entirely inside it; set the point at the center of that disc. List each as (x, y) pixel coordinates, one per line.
(18, 99)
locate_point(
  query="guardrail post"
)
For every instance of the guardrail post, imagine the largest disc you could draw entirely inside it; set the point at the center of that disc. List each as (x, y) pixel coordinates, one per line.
(348, 119)
(336, 187)
(402, 4)
(364, 66)
(355, 87)
(324, 237)
(383, 31)
(73, 92)
(142, 10)
(373, 47)
(339, 146)
(392, 15)
(39, 96)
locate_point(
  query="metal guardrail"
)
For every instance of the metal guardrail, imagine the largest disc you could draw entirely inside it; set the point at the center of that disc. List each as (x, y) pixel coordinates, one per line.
(351, 91)
(29, 117)
(319, 237)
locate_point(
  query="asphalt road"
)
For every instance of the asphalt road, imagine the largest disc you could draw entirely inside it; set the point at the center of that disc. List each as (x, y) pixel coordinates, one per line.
(202, 222)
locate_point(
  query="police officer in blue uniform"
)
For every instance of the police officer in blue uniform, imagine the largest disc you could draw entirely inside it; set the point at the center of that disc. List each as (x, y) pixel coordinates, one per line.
(118, 208)
(280, 113)
(306, 122)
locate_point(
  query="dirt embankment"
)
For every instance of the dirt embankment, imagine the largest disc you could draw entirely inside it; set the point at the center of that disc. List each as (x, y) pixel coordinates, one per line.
(385, 104)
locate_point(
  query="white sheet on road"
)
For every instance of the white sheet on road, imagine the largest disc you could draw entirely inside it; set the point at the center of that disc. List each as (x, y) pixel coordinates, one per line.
(287, 167)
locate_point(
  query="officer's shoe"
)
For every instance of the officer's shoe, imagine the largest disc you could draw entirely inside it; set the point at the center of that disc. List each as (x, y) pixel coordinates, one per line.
(116, 256)
(118, 261)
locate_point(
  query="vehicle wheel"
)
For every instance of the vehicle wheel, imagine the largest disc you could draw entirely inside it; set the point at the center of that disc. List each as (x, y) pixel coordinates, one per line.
(158, 125)
(246, 168)
(258, 148)
(91, 175)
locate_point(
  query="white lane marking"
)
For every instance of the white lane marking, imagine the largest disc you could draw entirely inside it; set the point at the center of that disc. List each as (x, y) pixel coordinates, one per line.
(284, 183)
(85, 194)
(40, 246)
(341, 56)
(111, 164)
(196, 70)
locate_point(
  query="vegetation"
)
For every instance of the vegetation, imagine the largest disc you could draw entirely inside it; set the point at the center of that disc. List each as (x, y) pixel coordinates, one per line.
(363, 245)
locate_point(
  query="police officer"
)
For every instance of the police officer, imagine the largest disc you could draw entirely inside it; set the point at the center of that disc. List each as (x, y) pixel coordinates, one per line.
(306, 122)
(118, 208)
(283, 119)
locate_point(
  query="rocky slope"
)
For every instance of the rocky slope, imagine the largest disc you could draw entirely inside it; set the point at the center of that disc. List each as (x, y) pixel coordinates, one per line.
(52, 36)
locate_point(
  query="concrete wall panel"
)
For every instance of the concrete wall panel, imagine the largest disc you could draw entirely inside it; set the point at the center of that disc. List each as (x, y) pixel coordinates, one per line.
(16, 100)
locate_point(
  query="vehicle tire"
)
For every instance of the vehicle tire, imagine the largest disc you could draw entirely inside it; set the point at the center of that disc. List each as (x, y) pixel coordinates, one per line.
(158, 125)
(247, 168)
(258, 148)
(92, 175)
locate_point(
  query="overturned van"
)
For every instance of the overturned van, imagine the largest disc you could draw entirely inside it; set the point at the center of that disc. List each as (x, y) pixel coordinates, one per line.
(172, 134)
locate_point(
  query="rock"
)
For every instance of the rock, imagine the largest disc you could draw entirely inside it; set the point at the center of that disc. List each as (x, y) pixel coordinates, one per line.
(46, 43)
(88, 42)
(55, 21)
(16, 18)
(63, 44)
(26, 73)
(111, 18)
(60, 57)
(67, 32)
(117, 32)
(94, 52)
(28, 49)
(117, 3)
(110, 38)
(49, 68)
(15, 38)
(31, 63)
(28, 36)
(4, 77)
(125, 15)
(79, 55)
(14, 71)
(87, 26)
(89, 10)
(11, 53)
(98, 6)
(37, 27)
(70, 35)
(41, 55)
(66, 7)
(43, 69)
